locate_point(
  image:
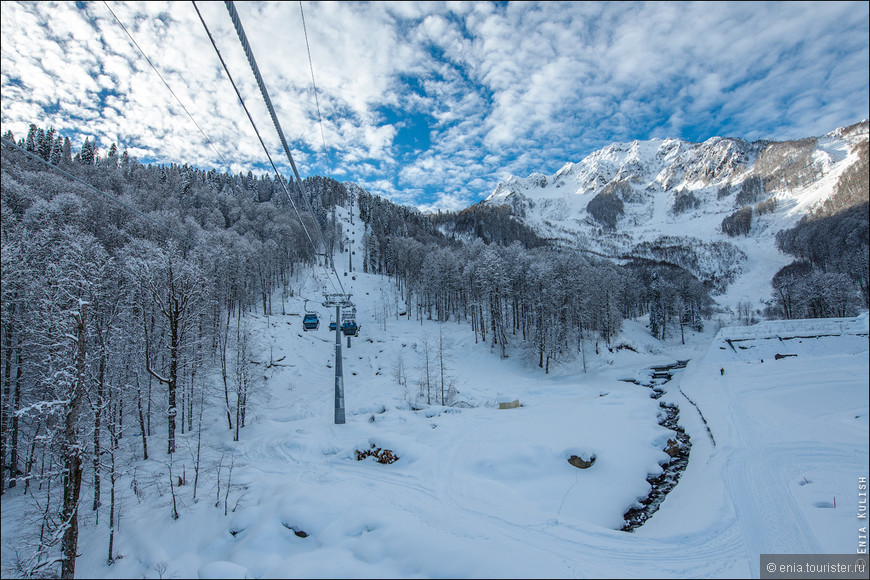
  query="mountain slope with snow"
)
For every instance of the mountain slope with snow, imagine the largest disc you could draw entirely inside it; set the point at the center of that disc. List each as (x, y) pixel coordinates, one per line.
(666, 199)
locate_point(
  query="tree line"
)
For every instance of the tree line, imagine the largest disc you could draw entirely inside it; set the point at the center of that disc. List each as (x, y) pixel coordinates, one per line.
(556, 302)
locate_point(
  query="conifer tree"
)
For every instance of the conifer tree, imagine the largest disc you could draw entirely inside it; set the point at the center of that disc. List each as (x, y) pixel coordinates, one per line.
(86, 155)
(30, 142)
(112, 158)
(56, 151)
(46, 143)
(38, 141)
(66, 154)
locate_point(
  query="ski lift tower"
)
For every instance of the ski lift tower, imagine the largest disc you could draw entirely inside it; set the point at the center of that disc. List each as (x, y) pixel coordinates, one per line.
(339, 301)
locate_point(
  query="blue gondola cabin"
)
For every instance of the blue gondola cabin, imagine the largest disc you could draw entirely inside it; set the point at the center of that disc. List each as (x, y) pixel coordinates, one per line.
(350, 328)
(310, 322)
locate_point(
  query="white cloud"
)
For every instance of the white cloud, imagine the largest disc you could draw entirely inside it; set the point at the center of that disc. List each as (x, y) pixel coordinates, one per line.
(512, 88)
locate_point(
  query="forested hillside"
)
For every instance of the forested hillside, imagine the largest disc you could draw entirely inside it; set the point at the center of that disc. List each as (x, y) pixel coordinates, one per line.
(552, 298)
(125, 285)
(832, 247)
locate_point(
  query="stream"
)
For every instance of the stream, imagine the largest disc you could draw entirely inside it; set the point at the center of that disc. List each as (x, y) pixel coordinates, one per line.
(678, 450)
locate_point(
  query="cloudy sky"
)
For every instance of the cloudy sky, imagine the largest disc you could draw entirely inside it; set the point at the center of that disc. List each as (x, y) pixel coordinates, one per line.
(431, 103)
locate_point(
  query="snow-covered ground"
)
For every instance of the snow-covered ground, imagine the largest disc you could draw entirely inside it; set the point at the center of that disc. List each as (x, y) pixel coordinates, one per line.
(485, 492)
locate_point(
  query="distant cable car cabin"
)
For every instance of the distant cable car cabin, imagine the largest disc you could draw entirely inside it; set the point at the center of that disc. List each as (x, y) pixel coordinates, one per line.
(350, 328)
(311, 321)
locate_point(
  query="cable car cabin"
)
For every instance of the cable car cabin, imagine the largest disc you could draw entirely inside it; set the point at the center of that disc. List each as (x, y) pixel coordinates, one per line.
(348, 322)
(310, 322)
(350, 328)
(332, 325)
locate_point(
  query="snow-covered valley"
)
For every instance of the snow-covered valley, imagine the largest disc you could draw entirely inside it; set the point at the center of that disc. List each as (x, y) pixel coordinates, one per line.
(524, 290)
(776, 415)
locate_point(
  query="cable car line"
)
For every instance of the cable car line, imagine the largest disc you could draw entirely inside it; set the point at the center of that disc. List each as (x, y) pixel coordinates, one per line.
(274, 118)
(345, 311)
(189, 114)
(349, 326)
(336, 299)
(265, 149)
(341, 300)
(344, 296)
(234, 16)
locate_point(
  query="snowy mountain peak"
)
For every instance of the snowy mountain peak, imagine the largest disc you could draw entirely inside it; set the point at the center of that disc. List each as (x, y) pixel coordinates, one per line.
(627, 198)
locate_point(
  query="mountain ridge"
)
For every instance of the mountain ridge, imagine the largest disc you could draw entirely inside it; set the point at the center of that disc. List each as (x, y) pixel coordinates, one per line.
(637, 199)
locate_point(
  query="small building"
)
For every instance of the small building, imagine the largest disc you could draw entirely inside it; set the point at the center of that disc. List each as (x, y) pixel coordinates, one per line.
(508, 402)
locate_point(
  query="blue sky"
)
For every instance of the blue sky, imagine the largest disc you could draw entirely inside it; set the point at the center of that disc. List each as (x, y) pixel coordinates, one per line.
(431, 104)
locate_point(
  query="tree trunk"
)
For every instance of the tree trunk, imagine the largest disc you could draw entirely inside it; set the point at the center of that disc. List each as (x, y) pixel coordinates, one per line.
(142, 428)
(30, 459)
(72, 480)
(223, 339)
(16, 422)
(98, 414)
(7, 402)
(113, 474)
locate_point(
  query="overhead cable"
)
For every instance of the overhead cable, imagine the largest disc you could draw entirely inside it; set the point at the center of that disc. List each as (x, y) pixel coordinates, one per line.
(136, 44)
(281, 179)
(234, 16)
(314, 86)
(166, 83)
